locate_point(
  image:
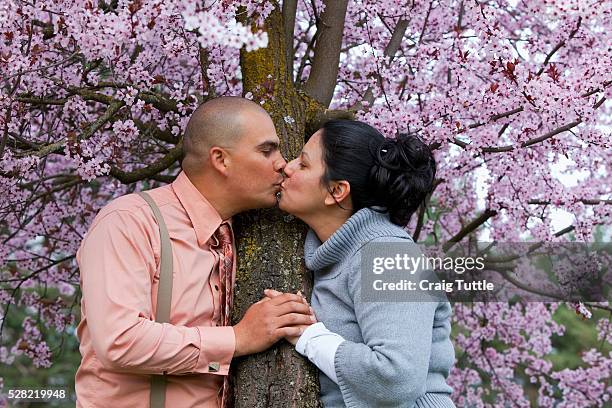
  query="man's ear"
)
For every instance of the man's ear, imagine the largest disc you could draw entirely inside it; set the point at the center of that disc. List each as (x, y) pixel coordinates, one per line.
(219, 159)
(339, 191)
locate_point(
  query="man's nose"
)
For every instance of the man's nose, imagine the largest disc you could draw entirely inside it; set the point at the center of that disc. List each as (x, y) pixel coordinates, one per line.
(280, 164)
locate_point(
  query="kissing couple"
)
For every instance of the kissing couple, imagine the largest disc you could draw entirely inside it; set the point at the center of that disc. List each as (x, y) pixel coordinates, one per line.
(350, 185)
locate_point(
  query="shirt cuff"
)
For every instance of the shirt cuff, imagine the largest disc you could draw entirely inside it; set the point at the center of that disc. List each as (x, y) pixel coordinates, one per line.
(320, 345)
(310, 332)
(217, 346)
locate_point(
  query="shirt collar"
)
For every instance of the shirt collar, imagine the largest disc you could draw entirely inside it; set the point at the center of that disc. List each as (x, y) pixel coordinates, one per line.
(203, 216)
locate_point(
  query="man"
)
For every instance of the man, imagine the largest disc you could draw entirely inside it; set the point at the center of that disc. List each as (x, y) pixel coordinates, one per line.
(232, 163)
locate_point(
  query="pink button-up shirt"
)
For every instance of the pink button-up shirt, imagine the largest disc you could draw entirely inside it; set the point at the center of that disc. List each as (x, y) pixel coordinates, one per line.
(121, 344)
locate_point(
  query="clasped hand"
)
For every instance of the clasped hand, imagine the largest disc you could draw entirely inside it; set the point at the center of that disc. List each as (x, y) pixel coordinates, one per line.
(271, 294)
(278, 315)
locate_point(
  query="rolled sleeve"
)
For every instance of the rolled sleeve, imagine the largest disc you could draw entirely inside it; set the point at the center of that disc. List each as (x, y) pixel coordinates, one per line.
(217, 347)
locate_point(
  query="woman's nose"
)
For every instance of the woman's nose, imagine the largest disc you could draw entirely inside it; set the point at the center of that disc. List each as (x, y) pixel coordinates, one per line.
(289, 168)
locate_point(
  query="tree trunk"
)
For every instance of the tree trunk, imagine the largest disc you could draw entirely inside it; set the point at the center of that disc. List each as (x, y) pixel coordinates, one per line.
(270, 243)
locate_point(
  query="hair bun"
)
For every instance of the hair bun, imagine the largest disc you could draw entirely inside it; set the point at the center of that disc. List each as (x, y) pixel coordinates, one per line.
(405, 151)
(404, 174)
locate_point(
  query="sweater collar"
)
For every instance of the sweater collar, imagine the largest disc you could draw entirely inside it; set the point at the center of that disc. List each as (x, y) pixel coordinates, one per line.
(362, 227)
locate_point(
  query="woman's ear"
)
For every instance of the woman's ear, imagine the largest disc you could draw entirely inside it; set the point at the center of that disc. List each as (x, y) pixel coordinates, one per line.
(338, 192)
(219, 159)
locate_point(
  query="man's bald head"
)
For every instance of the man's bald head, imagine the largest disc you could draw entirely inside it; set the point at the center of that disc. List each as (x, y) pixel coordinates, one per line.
(218, 122)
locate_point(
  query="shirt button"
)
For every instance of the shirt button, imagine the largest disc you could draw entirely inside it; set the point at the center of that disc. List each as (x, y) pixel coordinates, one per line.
(216, 287)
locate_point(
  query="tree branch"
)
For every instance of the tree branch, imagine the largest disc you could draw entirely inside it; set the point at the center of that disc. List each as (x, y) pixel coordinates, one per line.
(5, 133)
(151, 170)
(506, 274)
(204, 63)
(89, 95)
(32, 100)
(493, 118)
(585, 201)
(425, 22)
(422, 207)
(594, 91)
(93, 128)
(497, 117)
(526, 143)
(390, 50)
(532, 248)
(47, 28)
(469, 228)
(163, 178)
(305, 58)
(153, 130)
(289, 12)
(23, 280)
(69, 184)
(158, 101)
(550, 134)
(324, 71)
(510, 258)
(86, 94)
(558, 47)
(419, 225)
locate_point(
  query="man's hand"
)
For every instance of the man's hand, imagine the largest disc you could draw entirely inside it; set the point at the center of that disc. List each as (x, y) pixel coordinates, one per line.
(271, 319)
(293, 339)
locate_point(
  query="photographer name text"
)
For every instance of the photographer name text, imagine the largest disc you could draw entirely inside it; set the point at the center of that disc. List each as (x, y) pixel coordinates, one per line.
(425, 285)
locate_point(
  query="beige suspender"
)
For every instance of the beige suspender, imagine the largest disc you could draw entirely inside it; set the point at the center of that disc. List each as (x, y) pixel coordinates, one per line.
(164, 296)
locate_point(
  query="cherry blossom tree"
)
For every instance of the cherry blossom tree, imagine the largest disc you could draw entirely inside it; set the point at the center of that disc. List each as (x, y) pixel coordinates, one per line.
(95, 94)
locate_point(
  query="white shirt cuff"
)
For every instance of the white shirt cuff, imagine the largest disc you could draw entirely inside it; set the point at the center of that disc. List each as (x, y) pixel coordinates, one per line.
(320, 345)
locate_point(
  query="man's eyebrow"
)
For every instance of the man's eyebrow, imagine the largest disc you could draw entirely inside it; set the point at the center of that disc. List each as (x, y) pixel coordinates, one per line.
(304, 154)
(268, 144)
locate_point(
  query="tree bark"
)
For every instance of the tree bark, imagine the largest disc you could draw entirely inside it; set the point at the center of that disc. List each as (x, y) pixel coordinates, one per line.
(270, 243)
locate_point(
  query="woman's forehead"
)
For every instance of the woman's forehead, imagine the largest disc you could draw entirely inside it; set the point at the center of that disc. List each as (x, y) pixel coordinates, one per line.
(313, 143)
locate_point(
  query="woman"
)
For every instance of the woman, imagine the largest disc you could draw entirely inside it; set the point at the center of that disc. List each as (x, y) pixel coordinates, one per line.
(352, 186)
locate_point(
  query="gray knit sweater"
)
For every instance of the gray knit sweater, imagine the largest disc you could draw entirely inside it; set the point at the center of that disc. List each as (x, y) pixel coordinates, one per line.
(395, 354)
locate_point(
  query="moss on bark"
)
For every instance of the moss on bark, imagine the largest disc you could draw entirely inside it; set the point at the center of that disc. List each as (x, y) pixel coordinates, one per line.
(270, 243)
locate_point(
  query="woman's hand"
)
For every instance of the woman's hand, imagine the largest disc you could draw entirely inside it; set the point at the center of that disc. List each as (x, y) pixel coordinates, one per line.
(271, 293)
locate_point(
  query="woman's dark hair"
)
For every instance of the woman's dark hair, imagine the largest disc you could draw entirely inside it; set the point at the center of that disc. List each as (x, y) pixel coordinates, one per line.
(396, 174)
